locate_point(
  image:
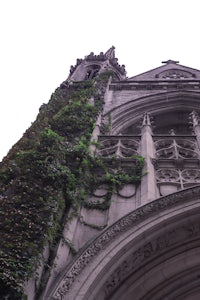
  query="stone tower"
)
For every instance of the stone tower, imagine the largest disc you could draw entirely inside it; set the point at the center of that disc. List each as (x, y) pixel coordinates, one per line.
(117, 163)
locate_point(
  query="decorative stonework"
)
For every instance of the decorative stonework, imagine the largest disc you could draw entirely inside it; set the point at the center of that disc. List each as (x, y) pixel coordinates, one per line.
(117, 228)
(168, 175)
(120, 147)
(157, 86)
(171, 180)
(176, 161)
(148, 251)
(127, 190)
(176, 148)
(99, 199)
(99, 178)
(101, 191)
(192, 176)
(168, 94)
(109, 55)
(175, 74)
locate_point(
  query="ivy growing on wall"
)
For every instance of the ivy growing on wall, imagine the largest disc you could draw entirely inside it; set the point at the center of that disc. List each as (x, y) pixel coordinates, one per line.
(114, 174)
(39, 177)
(48, 171)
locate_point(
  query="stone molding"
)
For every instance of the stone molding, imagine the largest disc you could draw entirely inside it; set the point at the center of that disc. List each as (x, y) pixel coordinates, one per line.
(114, 230)
(153, 85)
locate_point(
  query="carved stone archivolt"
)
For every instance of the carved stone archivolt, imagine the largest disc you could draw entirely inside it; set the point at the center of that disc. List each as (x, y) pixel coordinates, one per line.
(111, 233)
(148, 251)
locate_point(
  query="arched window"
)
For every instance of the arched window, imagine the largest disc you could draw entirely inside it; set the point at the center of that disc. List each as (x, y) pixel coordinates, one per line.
(92, 72)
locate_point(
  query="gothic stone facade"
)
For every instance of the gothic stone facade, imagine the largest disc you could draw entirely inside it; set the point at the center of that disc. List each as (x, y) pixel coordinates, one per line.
(146, 244)
(149, 247)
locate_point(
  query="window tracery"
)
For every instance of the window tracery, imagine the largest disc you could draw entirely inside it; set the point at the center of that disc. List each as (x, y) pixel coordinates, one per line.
(175, 74)
(176, 157)
(120, 147)
(170, 180)
(177, 148)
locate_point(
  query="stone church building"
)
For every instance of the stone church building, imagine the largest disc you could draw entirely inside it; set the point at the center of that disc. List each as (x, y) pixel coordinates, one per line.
(130, 226)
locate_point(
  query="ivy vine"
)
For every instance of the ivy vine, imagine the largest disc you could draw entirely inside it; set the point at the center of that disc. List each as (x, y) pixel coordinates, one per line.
(48, 171)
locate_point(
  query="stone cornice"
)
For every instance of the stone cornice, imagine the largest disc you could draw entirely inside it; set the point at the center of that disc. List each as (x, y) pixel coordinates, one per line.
(155, 85)
(125, 223)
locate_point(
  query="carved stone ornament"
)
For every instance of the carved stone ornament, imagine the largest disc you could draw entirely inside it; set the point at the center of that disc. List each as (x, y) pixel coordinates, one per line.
(98, 197)
(158, 246)
(168, 175)
(118, 147)
(116, 229)
(170, 180)
(176, 148)
(127, 190)
(101, 191)
(175, 74)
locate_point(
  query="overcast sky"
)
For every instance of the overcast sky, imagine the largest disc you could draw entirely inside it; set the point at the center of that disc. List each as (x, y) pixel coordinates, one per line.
(41, 39)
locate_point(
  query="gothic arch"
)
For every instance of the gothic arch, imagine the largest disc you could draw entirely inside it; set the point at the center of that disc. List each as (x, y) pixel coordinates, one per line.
(151, 253)
(131, 112)
(92, 71)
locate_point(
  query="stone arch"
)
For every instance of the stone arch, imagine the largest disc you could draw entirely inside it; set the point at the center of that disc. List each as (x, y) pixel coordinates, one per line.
(93, 69)
(131, 112)
(160, 238)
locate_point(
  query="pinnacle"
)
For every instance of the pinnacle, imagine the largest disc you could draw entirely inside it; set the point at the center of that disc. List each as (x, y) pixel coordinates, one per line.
(110, 53)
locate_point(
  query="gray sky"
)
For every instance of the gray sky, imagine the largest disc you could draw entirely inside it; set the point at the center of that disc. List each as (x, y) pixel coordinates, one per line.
(40, 39)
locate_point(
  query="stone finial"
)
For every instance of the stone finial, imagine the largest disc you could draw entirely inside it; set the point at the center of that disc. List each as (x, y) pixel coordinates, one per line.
(146, 120)
(110, 54)
(170, 61)
(172, 132)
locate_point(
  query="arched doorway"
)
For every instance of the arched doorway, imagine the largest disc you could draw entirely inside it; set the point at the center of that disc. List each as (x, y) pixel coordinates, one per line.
(151, 253)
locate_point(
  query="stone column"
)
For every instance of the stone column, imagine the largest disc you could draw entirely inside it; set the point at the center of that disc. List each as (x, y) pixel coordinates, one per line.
(148, 183)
